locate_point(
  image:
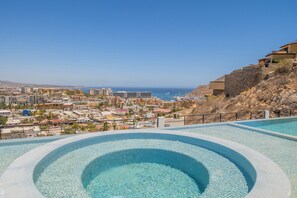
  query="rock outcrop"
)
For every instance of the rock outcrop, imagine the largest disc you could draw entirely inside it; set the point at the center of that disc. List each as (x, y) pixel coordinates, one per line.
(200, 91)
(277, 93)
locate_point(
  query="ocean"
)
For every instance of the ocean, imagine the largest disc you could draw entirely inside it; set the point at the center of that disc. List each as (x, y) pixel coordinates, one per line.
(166, 94)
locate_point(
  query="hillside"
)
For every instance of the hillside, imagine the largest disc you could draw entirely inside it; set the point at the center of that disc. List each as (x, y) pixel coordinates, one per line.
(200, 91)
(277, 93)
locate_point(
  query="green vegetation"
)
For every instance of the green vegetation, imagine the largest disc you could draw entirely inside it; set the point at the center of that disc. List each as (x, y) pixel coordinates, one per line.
(43, 128)
(79, 127)
(114, 125)
(27, 121)
(3, 105)
(3, 120)
(283, 66)
(105, 126)
(70, 92)
(175, 109)
(91, 127)
(71, 129)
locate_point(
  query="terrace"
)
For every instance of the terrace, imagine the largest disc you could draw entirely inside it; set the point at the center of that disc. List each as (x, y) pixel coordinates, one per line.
(242, 146)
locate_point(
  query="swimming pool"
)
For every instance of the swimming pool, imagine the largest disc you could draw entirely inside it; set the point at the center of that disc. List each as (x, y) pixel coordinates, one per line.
(143, 163)
(286, 126)
(12, 149)
(280, 150)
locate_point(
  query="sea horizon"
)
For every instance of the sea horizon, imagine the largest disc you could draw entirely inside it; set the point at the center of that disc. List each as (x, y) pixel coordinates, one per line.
(163, 93)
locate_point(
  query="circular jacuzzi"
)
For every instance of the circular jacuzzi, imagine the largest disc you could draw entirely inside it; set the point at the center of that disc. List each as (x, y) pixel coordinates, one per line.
(143, 164)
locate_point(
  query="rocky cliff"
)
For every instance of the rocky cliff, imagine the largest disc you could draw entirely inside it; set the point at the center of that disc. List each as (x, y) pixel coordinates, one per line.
(200, 91)
(277, 92)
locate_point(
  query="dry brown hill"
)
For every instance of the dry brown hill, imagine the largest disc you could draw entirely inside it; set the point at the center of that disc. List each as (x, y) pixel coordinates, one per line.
(277, 93)
(200, 91)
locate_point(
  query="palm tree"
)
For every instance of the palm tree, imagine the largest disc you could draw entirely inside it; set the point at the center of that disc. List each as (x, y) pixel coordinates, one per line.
(91, 127)
(114, 125)
(3, 120)
(105, 126)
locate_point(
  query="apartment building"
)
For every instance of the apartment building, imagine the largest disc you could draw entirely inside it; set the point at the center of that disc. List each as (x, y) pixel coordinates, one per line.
(101, 92)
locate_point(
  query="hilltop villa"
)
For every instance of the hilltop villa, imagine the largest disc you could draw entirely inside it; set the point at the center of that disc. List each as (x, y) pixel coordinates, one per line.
(288, 51)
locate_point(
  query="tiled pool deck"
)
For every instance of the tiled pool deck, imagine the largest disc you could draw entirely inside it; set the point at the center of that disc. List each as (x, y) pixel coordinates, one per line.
(281, 151)
(12, 149)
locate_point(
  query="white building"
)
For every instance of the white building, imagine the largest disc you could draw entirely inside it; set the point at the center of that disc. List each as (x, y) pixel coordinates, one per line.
(13, 122)
(101, 92)
(27, 90)
(20, 132)
(5, 113)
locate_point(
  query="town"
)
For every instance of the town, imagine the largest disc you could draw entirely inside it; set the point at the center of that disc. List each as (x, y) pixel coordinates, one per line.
(27, 111)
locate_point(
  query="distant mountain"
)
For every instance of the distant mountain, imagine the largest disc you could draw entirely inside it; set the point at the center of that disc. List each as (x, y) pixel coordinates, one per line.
(19, 84)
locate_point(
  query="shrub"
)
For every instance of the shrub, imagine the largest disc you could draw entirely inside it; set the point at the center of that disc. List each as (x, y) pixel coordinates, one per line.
(283, 66)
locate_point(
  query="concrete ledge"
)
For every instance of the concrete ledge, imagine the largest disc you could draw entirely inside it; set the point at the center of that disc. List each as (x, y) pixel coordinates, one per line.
(264, 131)
(270, 180)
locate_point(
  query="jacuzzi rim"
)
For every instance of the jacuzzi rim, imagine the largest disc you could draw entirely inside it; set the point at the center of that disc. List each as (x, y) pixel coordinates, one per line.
(17, 179)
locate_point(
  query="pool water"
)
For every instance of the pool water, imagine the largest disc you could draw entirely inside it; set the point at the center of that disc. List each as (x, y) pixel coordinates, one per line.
(146, 179)
(140, 168)
(12, 149)
(281, 151)
(149, 172)
(285, 125)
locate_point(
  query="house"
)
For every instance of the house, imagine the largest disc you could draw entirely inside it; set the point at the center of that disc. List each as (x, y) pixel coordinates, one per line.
(121, 112)
(288, 51)
(13, 122)
(218, 86)
(19, 132)
(9, 133)
(5, 113)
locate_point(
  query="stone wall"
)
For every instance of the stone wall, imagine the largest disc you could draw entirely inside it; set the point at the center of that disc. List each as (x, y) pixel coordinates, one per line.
(241, 80)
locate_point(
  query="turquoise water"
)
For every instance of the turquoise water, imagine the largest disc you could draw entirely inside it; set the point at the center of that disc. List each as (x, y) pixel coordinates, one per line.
(281, 151)
(12, 149)
(149, 172)
(146, 179)
(140, 168)
(287, 125)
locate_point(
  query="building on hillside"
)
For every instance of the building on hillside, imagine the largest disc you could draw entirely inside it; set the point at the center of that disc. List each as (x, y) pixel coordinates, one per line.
(122, 94)
(49, 106)
(35, 99)
(27, 90)
(9, 133)
(7, 100)
(101, 92)
(218, 86)
(23, 99)
(13, 122)
(125, 94)
(5, 113)
(19, 132)
(288, 51)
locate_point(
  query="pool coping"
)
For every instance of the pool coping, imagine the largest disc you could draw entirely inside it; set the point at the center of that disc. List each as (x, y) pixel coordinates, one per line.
(239, 125)
(265, 131)
(17, 179)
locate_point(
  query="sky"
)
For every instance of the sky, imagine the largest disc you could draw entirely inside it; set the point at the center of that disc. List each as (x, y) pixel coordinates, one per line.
(138, 43)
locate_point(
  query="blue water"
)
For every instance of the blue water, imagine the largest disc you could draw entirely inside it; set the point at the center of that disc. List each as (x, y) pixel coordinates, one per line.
(162, 93)
(281, 151)
(12, 149)
(287, 125)
(138, 168)
(154, 174)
